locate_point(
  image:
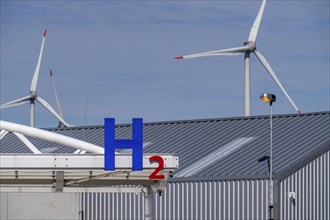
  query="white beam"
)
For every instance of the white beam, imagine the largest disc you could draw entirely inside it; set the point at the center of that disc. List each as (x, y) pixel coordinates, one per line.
(50, 189)
(78, 161)
(27, 143)
(3, 133)
(78, 171)
(51, 136)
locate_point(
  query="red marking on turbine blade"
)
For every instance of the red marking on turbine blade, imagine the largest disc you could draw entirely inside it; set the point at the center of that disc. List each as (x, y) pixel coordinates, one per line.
(299, 112)
(179, 57)
(51, 73)
(45, 32)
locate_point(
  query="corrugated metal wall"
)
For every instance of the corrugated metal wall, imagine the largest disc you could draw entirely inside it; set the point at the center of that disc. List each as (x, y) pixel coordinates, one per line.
(239, 199)
(311, 185)
(112, 206)
(232, 199)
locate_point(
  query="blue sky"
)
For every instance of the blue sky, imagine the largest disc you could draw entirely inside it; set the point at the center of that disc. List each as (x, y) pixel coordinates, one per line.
(118, 57)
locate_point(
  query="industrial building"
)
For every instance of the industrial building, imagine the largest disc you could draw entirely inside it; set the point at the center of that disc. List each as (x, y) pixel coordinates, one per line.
(223, 171)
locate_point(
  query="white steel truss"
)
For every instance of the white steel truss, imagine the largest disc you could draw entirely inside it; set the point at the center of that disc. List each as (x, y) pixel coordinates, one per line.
(58, 171)
(82, 171)
(74, 172)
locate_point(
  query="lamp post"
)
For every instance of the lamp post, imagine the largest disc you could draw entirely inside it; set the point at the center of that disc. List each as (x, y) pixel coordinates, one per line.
(270, 98)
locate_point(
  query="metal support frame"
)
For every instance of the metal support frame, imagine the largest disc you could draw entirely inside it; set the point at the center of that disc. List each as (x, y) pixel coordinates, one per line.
(79, 162)
(148, 203)
(27, 143)
(82, 173)
(78, 172)
(3, 133)
(61, 172)
(59, 182)
(51, 136)
(37, 189)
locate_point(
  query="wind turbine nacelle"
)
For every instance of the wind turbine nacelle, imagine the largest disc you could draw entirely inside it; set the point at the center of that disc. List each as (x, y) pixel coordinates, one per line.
(252, 45)
(33, 94)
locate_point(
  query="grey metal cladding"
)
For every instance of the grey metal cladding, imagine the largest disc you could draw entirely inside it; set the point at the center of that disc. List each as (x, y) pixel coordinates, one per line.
(295, 139)
(311, 186)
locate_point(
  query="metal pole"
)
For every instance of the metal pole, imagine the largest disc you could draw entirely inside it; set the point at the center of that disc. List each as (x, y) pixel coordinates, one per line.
(271, 187)
(148, 204)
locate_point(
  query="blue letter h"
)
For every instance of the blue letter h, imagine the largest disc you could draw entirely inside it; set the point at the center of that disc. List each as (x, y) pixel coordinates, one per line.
(111, 144)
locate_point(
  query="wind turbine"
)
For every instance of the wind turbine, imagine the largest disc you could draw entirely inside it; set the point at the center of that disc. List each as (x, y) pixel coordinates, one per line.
(249, 47)
(32, 97)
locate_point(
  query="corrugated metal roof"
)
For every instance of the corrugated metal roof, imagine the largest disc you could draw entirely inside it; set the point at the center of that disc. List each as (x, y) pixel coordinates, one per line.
(297, 139)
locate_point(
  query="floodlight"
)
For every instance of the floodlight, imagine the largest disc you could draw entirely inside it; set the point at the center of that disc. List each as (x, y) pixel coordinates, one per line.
(267, 97)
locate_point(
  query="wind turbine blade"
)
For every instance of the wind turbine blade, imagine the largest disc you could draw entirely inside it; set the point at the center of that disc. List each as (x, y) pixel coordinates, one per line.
(272, 74)
(16, 102)
(51, 110)
(255, 27)
(230, 52)
(35, 77)
(13, 105)
(59, 109)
